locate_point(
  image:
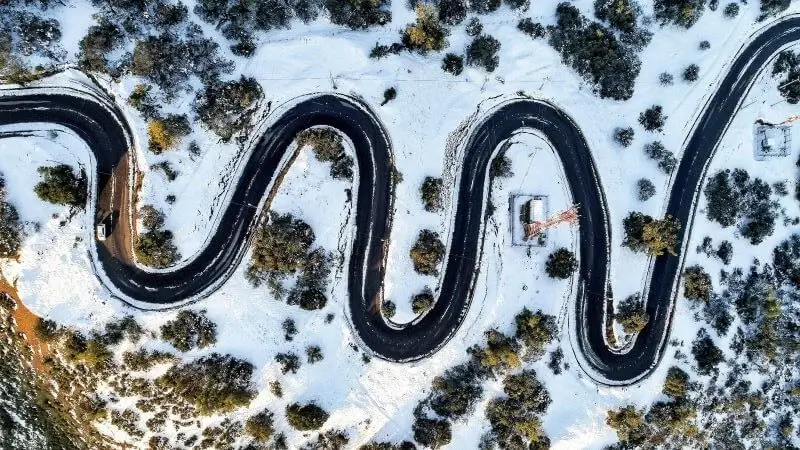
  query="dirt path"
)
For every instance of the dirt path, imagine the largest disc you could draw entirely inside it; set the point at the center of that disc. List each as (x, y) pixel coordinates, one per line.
(26, 324)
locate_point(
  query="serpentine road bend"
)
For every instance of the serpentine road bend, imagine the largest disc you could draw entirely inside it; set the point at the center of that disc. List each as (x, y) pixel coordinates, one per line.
(104, 129)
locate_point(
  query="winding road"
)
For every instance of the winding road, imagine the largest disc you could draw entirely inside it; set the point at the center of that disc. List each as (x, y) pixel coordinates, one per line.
(103, 127)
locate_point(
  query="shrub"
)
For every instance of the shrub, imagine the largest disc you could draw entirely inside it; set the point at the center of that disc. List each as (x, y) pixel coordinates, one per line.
(621, 14)
(100, 40)
(786, 260)
(482, 52)
(116, 331)
(515, 418)
(289, 329)
(732, 196)
(773, 7)
(289, 362)
(358, 14)
(327, 146)
(432, 433)
(724, 252)
(155, 249)
(213, 383)
(60, 186)
(422, 302)
(280, 248)
(431, 193)
(595, 53)
(645, 234)
(706, 354)
(306, 417)
(142, 359)
(629, 424)
(676, 384)
(45, 329)
(190, 330)
(453, 64)
(646, 189)
(696, 284)
(692, 72)
(427, 253)
(151, 218)
(679, 12)
(500, 354)
(665, 78)
(561, 264)
(165, 133)
(427, 34)
(535, 330)
(388, 309)
(308, 291)
(632, 315)
(731, 10)
(455, 392)
(389, 95)
(10, 226)
(788, 63)
(501, 167)
(313, 354)
(623, 136)
(652, 119)
(225, 107)
(534, 30)
(474, 27)
(704, 45)
(666, 159)
(452, 12)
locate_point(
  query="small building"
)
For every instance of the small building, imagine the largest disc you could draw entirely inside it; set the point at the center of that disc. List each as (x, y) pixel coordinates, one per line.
(526, 210)
(771, 141)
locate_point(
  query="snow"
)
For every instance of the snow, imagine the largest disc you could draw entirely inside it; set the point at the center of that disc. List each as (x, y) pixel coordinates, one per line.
(376, 399)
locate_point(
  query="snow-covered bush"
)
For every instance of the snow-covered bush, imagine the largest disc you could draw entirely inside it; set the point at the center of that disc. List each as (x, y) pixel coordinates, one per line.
(427, 253)
(561, 264)
(306, 417)
(190, 330)
(60, 186)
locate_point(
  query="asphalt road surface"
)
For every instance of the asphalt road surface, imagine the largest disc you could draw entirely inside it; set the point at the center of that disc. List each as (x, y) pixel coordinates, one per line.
(104, 130)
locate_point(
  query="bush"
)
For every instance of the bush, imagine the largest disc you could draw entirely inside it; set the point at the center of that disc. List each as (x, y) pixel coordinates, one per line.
(427, 34)
(358, 14)
(676, 384)
(665, 78)
(118, 330)
(213, 383)
(280, 248)
(306, 417)
(389, 95)
(45, 329)
(474, 27)
(595, 53)
(388, 309)
(432, 433)
(501, 353)
(431, 193)
(452, 12)
(645, 234)
(704, 45)
(788, 64)
(482, 52)
(289, 329)
(623, 136)
(327, 146)
(10, 226)
(679, 12)
(646, 189)
(632, 315)
(152, 218)
(535, 330)
(696, 284)
(620, 14)
(422, 302)
(165, 133)
(60, 186)
(501, 167)
(455, 392)
(732, 196)
(691, 72)
(706, 354)
(313, 354)
(142, 100)
(515, 418)
(190, 330)
(453, 64)
(100, 40)
(225, 107)
(629, 424)
(534, 30)
(652, 119)
(142, 359)
(786, 260)
(260, 426)
(773, 7)
(666, 159)
(427, 253)
(561, 264)
(731, 10)
(289, 362)
(155, 249)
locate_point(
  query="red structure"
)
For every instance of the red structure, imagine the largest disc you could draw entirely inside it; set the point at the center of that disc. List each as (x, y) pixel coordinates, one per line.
(535, 228)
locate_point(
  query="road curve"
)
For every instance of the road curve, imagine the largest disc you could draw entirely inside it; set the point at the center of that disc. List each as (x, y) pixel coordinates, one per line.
(104, 129)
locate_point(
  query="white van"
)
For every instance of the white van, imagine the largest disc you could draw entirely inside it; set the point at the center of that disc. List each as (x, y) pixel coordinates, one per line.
(101, 232)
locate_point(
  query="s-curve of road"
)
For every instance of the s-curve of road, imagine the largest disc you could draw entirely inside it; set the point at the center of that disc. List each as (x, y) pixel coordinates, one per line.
(104, 129)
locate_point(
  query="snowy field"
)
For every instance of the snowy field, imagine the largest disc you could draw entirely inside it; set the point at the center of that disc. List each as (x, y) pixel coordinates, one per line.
(375, 400)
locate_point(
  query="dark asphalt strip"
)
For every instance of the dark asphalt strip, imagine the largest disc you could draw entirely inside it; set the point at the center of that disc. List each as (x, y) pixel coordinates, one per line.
(102, 130)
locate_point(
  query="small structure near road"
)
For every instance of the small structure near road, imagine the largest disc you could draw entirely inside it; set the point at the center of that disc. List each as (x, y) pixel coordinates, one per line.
(530, 221)
(772, 140)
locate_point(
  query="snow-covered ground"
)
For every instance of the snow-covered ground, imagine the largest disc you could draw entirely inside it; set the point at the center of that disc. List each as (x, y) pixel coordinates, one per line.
(375, 399)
